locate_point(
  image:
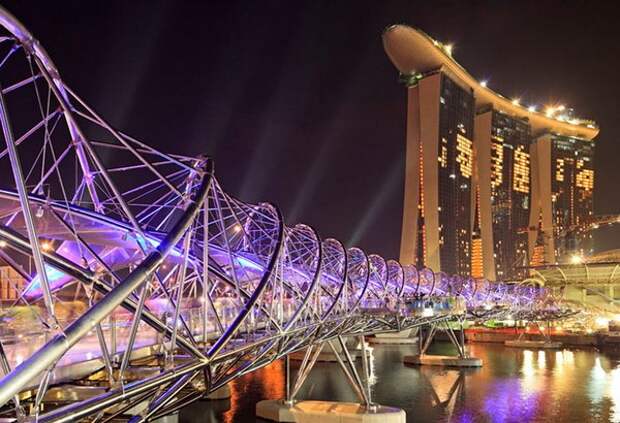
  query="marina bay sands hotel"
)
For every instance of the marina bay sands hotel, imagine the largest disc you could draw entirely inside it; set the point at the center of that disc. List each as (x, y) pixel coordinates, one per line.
(492, 186)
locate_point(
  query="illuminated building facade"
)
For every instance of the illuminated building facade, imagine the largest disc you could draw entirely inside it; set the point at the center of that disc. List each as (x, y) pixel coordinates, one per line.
(503, 163)
(537, 256)
(509, 158)
(564, 195)
(477, 263)
(440, 168)
(455, 167)
(11, 283)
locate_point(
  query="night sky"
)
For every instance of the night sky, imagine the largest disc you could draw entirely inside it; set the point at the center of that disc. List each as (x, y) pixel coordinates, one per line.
(300, 106)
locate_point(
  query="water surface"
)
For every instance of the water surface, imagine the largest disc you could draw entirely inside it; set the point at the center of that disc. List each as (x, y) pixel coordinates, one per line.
(514, 385)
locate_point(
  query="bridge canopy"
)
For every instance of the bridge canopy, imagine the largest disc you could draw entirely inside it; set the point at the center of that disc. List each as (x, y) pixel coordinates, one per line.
(598, 270)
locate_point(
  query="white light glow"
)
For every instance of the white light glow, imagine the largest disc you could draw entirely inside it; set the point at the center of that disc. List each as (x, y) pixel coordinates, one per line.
(601, 321)
(576, 259)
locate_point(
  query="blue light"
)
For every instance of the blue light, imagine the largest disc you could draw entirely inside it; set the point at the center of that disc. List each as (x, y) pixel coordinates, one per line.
(55, 277)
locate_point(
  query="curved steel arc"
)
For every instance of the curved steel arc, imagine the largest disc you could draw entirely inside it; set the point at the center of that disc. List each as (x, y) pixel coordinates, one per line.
(221, 342)
(55, 348)
(315, 280)
(342, 285)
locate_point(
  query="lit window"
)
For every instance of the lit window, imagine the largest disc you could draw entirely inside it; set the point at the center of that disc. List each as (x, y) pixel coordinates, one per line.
(465, 155)
(521, 181)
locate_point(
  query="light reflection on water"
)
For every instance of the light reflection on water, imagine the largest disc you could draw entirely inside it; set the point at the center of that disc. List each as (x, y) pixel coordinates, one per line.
(513, 386)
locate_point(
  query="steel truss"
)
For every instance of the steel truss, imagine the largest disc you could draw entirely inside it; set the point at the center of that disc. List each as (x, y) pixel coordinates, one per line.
(120, 253)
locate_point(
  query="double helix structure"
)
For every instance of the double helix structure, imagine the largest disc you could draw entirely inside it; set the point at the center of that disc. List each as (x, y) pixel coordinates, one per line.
(117, 256)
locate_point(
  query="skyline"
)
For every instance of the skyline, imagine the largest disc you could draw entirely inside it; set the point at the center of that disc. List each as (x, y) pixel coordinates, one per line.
(345, 86)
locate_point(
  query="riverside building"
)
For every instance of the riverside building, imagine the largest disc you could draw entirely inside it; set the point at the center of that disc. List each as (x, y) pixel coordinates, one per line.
(486, 177)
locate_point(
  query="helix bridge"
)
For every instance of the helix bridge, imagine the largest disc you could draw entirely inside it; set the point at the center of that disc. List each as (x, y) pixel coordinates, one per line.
(128, 258)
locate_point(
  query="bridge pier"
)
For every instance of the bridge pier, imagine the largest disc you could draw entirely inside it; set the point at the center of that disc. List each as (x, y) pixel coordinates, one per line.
(408, 336)
(462, 359)
(220, 394)
(545, 343)
(170, 418)
(328, 412)
(327, 356)
(290, 409)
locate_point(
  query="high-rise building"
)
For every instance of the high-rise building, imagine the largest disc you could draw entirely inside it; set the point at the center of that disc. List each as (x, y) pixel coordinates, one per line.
(503, 162)
(440, 171)
(479, 168)
(477, 264)
(565, 176)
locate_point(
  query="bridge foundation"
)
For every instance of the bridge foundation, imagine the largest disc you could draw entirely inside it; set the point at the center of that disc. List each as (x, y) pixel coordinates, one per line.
(292, 410)
(442, 360)
(327, 412)
(545, 343)
(461, 359)
(395, 338)
(171, 418)
(221, 393)
(526, 343)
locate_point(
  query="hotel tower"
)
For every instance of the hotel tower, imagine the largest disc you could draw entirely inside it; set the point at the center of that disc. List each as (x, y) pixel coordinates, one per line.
(488, 181)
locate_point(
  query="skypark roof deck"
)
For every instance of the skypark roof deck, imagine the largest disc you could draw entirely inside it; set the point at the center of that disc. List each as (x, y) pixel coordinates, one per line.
(414, 52)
